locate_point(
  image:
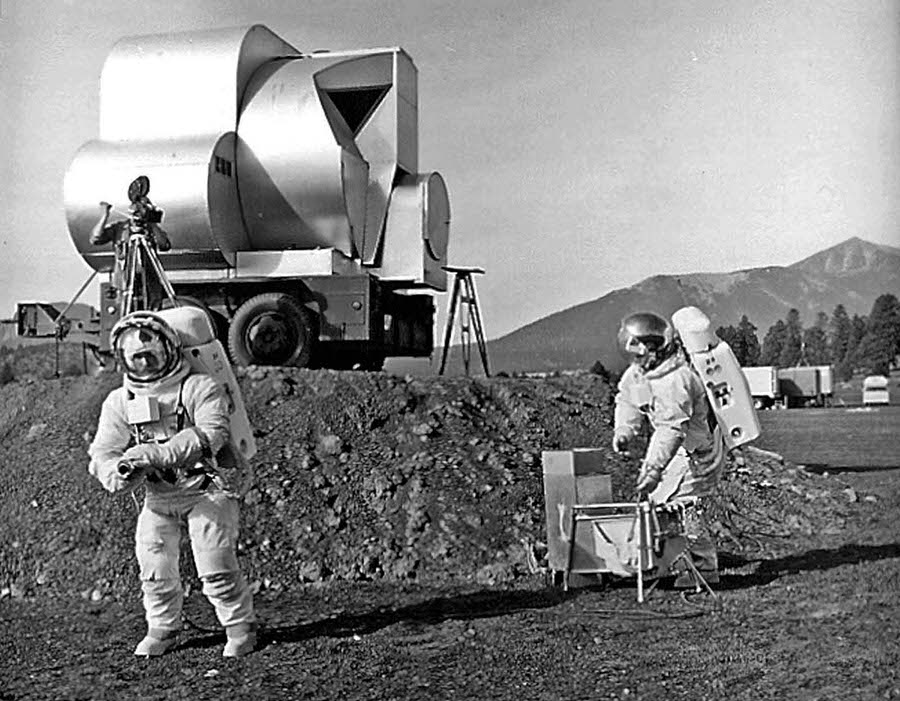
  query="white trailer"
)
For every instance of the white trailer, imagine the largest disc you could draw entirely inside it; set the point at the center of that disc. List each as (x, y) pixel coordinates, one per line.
(763, 383)
(790, 387)
(875, 390)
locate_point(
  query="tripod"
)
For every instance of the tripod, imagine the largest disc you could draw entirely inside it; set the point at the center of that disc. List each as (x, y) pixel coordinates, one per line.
(140, 260)
(469, 319)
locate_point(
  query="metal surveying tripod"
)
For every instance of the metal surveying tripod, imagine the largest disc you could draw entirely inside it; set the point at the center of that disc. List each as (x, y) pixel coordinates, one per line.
(469, 319)
(141, 258)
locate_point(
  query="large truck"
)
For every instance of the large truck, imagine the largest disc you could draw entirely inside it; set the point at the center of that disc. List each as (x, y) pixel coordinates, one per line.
(291, 192)
(807, 385)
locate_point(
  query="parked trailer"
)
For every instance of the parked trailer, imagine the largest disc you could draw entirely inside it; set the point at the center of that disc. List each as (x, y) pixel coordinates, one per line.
(763, 382)
(875, 390)
(790, 387)
(46, 320)
(799, 386)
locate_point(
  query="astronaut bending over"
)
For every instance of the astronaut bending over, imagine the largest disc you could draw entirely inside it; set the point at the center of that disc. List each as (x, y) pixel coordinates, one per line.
(684, 456)
(176, 423)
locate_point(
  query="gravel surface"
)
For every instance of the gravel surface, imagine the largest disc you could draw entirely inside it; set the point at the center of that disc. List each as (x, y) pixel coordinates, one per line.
(394, 535)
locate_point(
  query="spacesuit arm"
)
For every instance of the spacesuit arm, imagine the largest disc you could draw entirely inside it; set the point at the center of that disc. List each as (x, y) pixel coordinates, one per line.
(101, 233)
(207, 406)
(672, 410)
(109, 444)
(628, 417)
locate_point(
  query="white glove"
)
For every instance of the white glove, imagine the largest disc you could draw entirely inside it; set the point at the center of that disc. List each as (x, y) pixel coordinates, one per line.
(648, 479)
(620, 444)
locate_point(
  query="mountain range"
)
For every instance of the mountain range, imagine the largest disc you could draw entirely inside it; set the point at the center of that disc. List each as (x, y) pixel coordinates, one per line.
(853, 273)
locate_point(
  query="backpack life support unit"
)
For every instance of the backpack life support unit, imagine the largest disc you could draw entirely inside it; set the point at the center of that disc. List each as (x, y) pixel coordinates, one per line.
(205, 354)
(725, 383)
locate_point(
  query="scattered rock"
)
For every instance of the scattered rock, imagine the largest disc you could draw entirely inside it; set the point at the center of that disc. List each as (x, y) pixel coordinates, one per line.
(345, 488)
(36, 431)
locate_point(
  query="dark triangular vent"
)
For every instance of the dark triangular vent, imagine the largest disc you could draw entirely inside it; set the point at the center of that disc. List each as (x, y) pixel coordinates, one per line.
(357, 104)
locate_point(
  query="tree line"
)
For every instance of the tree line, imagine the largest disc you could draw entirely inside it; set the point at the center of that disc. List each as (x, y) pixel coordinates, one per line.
(866, 343)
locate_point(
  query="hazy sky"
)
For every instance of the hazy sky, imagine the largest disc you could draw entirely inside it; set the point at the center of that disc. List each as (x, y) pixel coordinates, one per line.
(586, 144)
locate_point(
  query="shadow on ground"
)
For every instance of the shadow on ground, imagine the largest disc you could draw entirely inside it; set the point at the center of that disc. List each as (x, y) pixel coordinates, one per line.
(820, 559)
(481, 604)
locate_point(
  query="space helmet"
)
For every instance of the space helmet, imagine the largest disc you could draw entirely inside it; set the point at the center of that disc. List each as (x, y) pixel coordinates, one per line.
(646, 339)
(146, 347)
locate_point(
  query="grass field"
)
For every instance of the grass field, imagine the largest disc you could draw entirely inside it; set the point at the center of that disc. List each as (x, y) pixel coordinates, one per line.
(836, 438)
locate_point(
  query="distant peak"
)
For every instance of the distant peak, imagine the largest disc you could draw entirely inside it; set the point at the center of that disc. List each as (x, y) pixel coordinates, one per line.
(853, 256)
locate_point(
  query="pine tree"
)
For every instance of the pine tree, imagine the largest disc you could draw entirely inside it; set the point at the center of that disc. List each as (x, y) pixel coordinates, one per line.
(881, 343)
(815, 342)
(792, 348)
(749, 342)
(729, 334)
(838, 334)
(857, 331)
(773, 343)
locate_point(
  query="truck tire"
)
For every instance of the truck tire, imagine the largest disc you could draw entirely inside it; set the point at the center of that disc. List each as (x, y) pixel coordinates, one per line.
(271, 329)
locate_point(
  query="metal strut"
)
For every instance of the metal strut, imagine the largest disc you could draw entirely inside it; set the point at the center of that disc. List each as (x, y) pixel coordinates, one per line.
(469, 319)
(141, 258)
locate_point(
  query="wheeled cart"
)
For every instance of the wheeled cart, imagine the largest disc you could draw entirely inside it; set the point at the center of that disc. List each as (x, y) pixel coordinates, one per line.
(589, 534)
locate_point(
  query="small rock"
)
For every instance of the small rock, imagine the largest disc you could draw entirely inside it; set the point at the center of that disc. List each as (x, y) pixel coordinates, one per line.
(851, 495)
(211, 673)
(310, 572)
(871, 498)
(36, 431)
(96, 595)
(330, 444)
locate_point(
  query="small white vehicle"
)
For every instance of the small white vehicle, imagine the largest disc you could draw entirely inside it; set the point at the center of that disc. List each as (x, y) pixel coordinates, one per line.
(875, 390)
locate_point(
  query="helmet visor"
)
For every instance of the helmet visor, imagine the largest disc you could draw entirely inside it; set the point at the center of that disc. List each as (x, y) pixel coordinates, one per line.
(143, 353)
(645, 338)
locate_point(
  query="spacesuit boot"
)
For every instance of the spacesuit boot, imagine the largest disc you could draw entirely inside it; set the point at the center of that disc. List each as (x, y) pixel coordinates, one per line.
(703, 555)
(157, 642)
(241, 640)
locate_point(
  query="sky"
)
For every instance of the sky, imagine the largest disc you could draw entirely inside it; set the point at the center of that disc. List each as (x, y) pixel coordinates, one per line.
(586, 144)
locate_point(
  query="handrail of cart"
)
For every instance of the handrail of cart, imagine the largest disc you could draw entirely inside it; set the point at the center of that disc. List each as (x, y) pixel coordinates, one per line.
(612, 505)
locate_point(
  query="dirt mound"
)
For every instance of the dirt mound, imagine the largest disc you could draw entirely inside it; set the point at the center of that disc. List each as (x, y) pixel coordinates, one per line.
(359, 476)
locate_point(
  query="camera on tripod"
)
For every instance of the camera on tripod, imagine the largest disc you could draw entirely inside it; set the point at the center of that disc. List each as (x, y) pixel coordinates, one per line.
(143, 211)
(139, 274)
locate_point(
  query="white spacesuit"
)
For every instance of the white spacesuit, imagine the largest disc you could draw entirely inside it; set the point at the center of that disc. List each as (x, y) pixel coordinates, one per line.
(177, 425)
(684, 456)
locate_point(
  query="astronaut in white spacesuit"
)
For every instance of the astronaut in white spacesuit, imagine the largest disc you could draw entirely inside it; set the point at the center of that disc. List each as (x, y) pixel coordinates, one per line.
(176, 423)
(685, 455)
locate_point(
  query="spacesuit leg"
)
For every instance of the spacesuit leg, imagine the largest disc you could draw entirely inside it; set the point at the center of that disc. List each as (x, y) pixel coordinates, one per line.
(701, 543)
(213, 528)
(157, 541)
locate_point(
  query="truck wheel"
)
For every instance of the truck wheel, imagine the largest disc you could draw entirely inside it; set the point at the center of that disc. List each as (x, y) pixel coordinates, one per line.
(271, 329)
